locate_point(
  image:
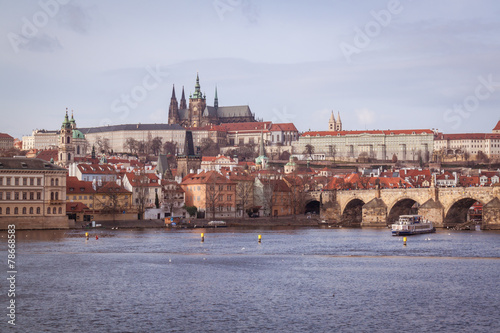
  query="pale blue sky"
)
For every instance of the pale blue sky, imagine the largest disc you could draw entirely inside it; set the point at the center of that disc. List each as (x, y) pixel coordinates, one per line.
(382, 64)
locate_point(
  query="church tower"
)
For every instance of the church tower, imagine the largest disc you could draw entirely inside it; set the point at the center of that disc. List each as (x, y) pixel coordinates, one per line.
(197, 104)
(66, 146)
(173, 109)
(332, 123)
(335, 125)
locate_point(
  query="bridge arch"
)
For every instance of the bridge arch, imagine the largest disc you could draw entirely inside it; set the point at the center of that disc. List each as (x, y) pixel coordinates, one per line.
(352, 214)
(403, 206)
(312, 206)
(458, 211)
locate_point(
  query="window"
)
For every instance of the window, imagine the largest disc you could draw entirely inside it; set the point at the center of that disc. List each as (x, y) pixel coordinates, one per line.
(32, 195)
(221, 197)
(8, 179)
(229, 197)
(52, 182)
(7, 211)
(7, 195)
(38, 210)
(60, 210)
(39, 181)
(16, 195)
(53, 210)
(16, 181)
(25, 195)
(32, 181)
(38, 195)
(57, 181)
(25, 181)
(24, 210)
(229, 187)
(31, 210)
(0, 210)
(1, 180)
(221, 187)
(16, 211)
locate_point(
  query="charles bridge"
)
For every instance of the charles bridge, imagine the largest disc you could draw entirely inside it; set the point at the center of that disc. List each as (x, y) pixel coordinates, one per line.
(446, 207)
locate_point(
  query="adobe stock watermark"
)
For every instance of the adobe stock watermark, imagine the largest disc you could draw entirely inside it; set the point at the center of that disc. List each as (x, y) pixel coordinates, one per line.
(282, 116)
(126, 102)
(31, 27)
(224, 6)
(371, 29)
(484, 89)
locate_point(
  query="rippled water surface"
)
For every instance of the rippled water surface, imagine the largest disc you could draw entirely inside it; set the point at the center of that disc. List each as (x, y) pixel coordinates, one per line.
(296, 280)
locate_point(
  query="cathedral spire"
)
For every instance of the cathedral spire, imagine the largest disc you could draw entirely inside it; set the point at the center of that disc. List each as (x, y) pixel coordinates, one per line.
(197, 92)
(173, 92)
(183, 104)
(216, 100)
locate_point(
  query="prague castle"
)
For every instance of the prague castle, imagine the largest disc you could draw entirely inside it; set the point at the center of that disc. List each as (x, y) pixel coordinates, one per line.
(199, 114)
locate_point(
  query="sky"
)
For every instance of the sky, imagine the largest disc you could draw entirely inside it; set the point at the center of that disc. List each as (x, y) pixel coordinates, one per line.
(380, 64)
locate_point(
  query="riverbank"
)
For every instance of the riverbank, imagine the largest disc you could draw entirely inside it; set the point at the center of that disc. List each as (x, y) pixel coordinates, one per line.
(203, 223)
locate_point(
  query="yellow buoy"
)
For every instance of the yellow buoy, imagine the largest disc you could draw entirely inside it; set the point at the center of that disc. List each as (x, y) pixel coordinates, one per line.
(202, 237)
(404, 240)
(260, 238)
(87, 235)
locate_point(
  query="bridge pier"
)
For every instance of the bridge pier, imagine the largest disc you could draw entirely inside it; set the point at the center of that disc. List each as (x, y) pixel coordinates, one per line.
(433, 210)
(491, 215)
(374, 213)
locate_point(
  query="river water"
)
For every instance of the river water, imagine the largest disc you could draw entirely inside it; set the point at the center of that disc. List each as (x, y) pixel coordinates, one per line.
(296, 280)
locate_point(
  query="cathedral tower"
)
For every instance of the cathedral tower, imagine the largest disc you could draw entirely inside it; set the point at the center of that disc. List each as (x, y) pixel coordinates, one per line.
(197, 104)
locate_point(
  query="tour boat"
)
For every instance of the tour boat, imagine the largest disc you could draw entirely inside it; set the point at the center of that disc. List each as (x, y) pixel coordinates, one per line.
(412, 225)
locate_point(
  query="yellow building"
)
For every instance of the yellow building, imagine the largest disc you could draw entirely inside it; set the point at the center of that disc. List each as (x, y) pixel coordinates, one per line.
(32, 194)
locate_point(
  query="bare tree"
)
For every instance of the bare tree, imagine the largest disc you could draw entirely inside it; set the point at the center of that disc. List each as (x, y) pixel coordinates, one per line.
(130, 145)
(209, 147)
(213, 194)
(102, 144)
(244, 194)
(297, 193)
(156, 145)
(113, 199)
(309, 149)
(269, 196)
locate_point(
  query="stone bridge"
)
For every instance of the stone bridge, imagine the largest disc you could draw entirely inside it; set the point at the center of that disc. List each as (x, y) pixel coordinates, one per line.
(446, 207)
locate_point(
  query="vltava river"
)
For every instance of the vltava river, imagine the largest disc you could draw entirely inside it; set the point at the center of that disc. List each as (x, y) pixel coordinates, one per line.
(296, 280)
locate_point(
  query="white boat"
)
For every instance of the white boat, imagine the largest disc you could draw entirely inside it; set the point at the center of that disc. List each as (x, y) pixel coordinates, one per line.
(217, 224)
(412, 225)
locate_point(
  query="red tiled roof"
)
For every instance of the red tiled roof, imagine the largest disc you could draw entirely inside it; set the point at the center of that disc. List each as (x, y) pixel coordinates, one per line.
(48, 154)
(250, 126)
(205, 178)
(96, 169)
(497, 127)
(76, 207)
(134, 179)
(379, 132)
(73, 186)
(112, 187)
(5, 136)
(290, 127)
(460, 136)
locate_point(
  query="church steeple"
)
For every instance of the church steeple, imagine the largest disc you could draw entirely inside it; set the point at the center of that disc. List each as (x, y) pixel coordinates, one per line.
(339, 123)
(332, 124)
(173, 114)
(197, 91)
(183, 104)
(216, 100)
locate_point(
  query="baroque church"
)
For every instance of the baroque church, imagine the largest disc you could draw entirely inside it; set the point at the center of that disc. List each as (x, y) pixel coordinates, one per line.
(199, 114)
